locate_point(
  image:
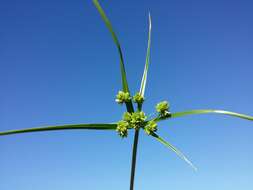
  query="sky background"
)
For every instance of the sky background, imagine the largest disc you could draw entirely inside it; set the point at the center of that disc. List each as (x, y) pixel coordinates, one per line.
(58, 65)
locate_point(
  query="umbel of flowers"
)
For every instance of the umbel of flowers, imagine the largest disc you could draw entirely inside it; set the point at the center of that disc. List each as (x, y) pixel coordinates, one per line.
(138, 119)
(133, 120)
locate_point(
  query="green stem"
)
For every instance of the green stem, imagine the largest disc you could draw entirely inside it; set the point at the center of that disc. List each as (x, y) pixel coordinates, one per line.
(134, 154)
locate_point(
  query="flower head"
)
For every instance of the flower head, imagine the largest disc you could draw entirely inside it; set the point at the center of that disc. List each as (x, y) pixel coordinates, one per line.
(122, 97)
(151, 127)
(138, 98)
(163, 109)
(137, 119)
(122, 127)
(134, 120)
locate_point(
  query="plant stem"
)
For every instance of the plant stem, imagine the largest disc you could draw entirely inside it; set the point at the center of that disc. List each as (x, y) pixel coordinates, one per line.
(134, 154)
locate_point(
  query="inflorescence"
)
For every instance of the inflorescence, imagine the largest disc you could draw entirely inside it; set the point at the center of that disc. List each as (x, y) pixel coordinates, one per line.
(137, 120)
(123, 97)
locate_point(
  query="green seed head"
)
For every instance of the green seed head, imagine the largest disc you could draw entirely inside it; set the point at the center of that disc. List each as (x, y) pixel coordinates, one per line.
(163, 109)
(151, 127)
(139, 99)
(122, 127)
(122, 97)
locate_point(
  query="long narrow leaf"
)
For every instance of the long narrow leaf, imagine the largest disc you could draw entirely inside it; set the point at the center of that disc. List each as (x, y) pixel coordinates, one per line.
(116, 41)
(206, 111)
(174, 149)
(63, 127)
(194, 112)
(145, 73)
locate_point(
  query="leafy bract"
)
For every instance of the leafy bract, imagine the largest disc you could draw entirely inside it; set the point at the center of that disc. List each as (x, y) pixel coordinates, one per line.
(174, 149)
(104, 126)
(145, 73)
(206, 111)
(116, 41)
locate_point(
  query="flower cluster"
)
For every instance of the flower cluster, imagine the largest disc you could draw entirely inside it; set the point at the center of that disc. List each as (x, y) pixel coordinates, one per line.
(123, 97)
(138, 98)
(134, 120)
(151, 127)
(122, 127)
(163, 109)
(137, 120)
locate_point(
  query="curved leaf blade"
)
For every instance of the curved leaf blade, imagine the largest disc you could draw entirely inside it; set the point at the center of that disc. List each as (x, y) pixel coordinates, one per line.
(174, 149)
(207, 111)
(116, 41)
(108, 24)
(62, 127)
(145, 73)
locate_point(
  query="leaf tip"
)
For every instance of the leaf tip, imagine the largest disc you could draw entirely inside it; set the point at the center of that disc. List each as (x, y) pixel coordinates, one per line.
(149, 19)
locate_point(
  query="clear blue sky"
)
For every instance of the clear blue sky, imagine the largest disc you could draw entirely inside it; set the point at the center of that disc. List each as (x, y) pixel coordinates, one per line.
(58, 65)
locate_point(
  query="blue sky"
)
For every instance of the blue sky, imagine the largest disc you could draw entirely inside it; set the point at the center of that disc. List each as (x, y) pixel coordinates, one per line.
(59, 65)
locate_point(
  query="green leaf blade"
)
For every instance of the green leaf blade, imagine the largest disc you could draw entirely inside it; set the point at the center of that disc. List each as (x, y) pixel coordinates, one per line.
(174, 149)
(108, 24)
(116, 41)
(145, 73)
(208, 111)
(63, 127)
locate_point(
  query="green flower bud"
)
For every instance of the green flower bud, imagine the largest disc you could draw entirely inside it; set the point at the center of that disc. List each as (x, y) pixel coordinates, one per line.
(151, 127)
(122, 127)
(163, 109)
(139, 99)
(122, 97)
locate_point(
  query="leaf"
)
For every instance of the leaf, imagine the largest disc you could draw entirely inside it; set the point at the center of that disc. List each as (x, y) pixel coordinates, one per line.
(194, 112)
(206, 111)
(145, 73)
(116, 41)
(174, 149)
(63, 127)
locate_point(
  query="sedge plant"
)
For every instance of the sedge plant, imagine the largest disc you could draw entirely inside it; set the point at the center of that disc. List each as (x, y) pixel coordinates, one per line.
(134, 118)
